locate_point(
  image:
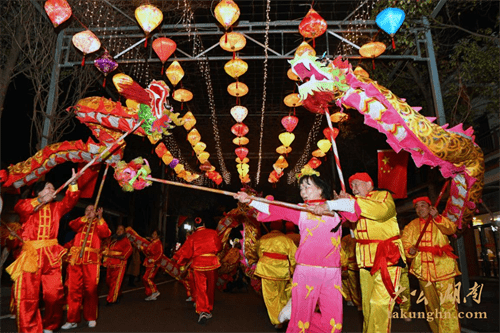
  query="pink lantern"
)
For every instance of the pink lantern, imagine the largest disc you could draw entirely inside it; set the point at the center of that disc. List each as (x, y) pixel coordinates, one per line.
(86, 42)
(239, 113)
(239, 129)
(241, 152)
(58, 11)
(106, 64)
(331, 134)
(164, 48)
(289, 123)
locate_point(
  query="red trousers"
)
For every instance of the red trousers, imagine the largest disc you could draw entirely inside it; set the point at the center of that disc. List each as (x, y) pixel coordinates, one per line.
(204, 286)
(27, 296)
(188, 283)
(82, 288)
(114, 279)
(147, 280)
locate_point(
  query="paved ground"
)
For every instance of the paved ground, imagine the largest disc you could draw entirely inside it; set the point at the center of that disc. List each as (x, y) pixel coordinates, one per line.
(241, 311)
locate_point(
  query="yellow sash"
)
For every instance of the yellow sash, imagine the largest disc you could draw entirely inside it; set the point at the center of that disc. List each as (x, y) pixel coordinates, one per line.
(28, 260)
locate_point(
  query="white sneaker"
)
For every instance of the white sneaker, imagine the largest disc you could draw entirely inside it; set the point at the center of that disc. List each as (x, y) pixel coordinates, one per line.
(92, 323)
(204, 316)
(286, 312)
(349, 303)
(68, 326)
(189, 299)
(153, 296)
(12, 316)
(48, 331)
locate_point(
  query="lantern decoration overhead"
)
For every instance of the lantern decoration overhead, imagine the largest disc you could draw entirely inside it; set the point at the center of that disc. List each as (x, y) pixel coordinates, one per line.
(149, 17)
(372, 50)
(194, 137)
(331, 134)
(106, 64)
(390, 20)
(226, 12)
(240, 161)
(164, 47)
(239, 113)
(241, 141)
(324, 145)
(199, 147)
(312, 25)
(359, 71)
(236, 68)
(203, 157)
(175, 73)
(237, 89)
(292, 100)
(314, 162)
(188, 121)
(305, 48)
(239, 129)
(281, 163)
(282, 150)
(243, 169)
(286, 138)
(292, 76)
(182, 96)
(58, 11)
(241, 152)
(289, 123)
(318, 153)
(207, 167)
(338, 117)
(86, 42)
(232, 42)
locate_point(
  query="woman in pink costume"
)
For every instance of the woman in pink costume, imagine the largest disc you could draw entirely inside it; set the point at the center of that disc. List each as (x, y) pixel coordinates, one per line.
(317, 276)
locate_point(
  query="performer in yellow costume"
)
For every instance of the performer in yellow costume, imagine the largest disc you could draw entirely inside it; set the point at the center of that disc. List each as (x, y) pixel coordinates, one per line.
(434, 264)
(350, 272)
(275, 266)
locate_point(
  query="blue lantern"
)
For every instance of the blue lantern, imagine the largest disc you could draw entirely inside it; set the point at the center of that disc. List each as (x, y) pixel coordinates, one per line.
(389, 20)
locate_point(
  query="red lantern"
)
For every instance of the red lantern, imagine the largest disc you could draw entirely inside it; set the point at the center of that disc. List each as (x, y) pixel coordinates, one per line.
(329, 134)
(164, 47)
(58, 11)
(314, 162)
(312, 26)
(239, 129)
(289, 123)
(241, 152)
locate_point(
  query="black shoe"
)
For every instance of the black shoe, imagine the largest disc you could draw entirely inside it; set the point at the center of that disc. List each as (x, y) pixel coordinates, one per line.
(118, 299)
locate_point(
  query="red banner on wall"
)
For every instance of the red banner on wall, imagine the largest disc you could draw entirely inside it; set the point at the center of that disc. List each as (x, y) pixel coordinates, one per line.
(392, 172)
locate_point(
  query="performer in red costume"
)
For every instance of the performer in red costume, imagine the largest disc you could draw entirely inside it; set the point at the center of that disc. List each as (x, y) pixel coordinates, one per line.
(117, 253)
(153, 254)
(83, 271)
(202, 246)
(39, 264)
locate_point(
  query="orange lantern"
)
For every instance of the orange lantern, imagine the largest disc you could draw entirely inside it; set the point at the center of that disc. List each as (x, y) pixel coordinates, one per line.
(239, 113)
(324, 145)
(283, 150)
(318, 153)
(245, 160)
(293, 100)
(239, 129)
(226, 12)
(241, 152)
(359, 71)
(194, 137)
(286, 138)
(203, 157)
(58, 11)
(175, 73)
(179, 168)
(289, 123)
(281, 163)
(148, 17)
(240, 141)
(182, 95)
(372, 50)
(245, 179)
(207, 167)
(167, 157)
(232, 42)
(292, 76)
(313, 25)
(314, 163)
(164, 47)
(237, 89)
(236, 68)
(199, 147)
(338, 117)
(189, 121)
(305, 48)
(86, 42)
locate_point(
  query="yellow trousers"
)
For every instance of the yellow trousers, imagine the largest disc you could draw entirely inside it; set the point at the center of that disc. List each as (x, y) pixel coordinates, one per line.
(445, 315)
(276, 294)
(405, 294)
(351, 288)
(377, 303)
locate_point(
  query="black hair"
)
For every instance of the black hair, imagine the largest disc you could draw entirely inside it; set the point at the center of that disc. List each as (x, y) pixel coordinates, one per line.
(38, 187)
(326, 191)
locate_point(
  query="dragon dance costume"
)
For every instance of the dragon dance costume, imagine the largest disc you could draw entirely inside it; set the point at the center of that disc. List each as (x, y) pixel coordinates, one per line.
(119, 246)
(153, 253)
(83, 273)
(350, 271)
(39, 264)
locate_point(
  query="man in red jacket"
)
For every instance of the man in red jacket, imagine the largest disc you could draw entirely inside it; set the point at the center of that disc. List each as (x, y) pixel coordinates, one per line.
(153, 253)
(83, 268)
(202, 247)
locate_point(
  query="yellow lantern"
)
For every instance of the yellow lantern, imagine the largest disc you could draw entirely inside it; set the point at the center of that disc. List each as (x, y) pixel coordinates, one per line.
(292, 76)
(338, 117)
(281, 162)
(359, 71)
(305, 48)
(372, 50)
(239, 113)
(293, 100)
(121, 80)
(226, 12)
(175, 73)
(188, 121)
(190, 177)
(283, 150)
(232, 42)
(324, 145)
(194, 137)
(318, 153)
(167, 157)
(237, 89)
(243, 169)
(239, 161)
(182, 95)
(148, 17)
(286, 138)
(203, 157)
(199, 147)
(236, 68)
(179, 168)
(240, 141)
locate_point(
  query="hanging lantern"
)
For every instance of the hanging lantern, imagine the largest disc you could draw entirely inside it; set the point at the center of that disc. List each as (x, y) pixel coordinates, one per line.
(245, 179)
(120, 80)
(329, 134)
(318, 153)
(390, 20)
(164, 48)
(203, 157)
(372, 50)
(237, 89)
(273, 177)
(179, 168)
(58, 11)
(292, 76)
(188, 121)
(281, 162)
(106, 64)
(207, 167)
(86, 42)
(359, 71)
(293, 100)
(232, 41)
(182, 95)
(289, 123)
(312, 25)
(226, 12)
(174, 163)
(286, 138)
(245, 160)
(199, 147)
(243, 169)
(240, 141)
(305, 48)
(314, 163)
(236, 68)
(338, 117)
(239, 113)
(175, 73)
(282, 150)
(193, 137)
(148, 17)
(239, 129)
(167, 157)
(324, 145)
(241, 152)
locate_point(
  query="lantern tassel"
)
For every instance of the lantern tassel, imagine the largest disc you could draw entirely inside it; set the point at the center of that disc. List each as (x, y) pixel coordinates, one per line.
(162, 66)
(83, 60)
(393, 44)
(314, 43)
(226, 37)
(373, 64)
(182, 106)
(234, 55)
(104, 82)
(146, 42)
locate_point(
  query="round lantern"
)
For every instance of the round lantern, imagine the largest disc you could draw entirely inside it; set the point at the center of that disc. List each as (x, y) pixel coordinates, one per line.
(226, 12)
(237, 89)
(359, 71)
(289, 123)
(58, 11)
(318, 153)
(286, 138)
(390, 20)
(148, 17)
(199, 147)
(182, 95)
(86, 42)
(245, 160)
(240, 141)
(313, 25)
(203, 157)
(293, 100)
(239, 129)
(164, 48)
(338, 117)
(106, 64)
(324, 145)
(239, 113)
(236, 67)
(232, 42)
(305, 48)
(372, 50)
(175, 73)
(282, 150)
(193, 137)
(189, 121)
(241, 152)
(292, 76)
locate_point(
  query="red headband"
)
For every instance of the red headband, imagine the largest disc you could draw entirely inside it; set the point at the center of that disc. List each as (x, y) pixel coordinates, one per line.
(363, 176)
(426, 199)
(197, 220)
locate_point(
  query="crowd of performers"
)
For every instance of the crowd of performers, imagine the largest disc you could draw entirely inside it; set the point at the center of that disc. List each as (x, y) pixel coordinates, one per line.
(304, 277)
